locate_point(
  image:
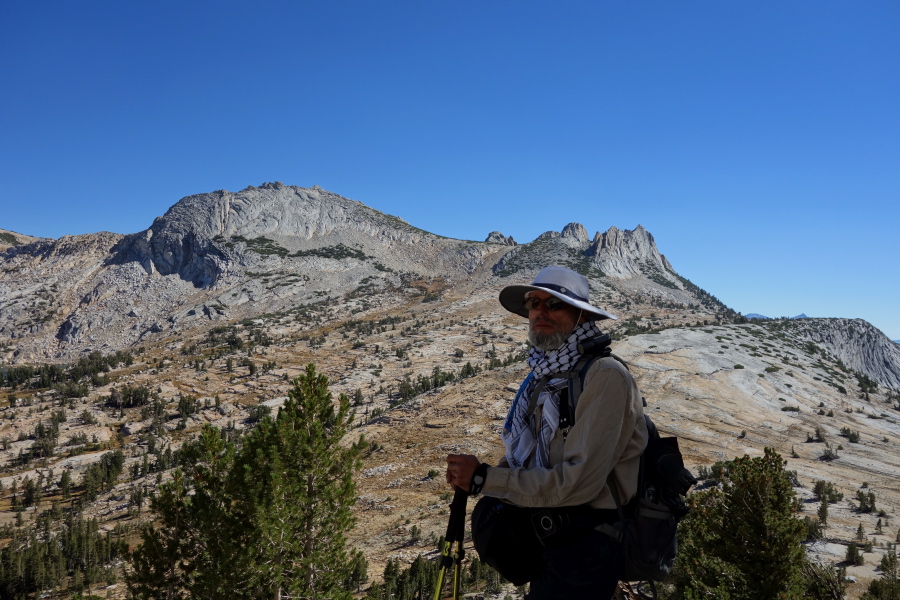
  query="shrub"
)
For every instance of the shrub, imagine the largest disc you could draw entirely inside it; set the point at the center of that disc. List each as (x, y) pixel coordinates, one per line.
(853, 556)
(829, 453)
(814, 529)
(258, 413)
(728, 551)
(852, 436)
(825, 489)
(866, 501)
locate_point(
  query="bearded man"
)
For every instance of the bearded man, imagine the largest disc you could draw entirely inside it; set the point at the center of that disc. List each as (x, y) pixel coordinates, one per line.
(565, 470)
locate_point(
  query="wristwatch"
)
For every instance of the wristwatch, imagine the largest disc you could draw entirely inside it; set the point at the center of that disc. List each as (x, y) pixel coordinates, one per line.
(478, 479)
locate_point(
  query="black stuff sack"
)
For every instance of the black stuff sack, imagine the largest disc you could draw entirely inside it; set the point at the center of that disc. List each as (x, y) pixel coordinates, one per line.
(504, 538)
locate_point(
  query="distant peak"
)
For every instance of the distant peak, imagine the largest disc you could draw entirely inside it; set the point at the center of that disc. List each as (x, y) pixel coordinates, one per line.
(495, 237)
(755, 316)
(576, 231)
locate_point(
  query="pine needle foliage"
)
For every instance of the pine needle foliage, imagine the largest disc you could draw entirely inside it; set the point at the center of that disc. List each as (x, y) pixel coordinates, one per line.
(887, 587)
(297, 481)
(267, 520)
(742, 541)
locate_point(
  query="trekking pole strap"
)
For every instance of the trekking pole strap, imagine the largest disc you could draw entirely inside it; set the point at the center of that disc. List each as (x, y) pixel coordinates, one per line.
(457, 520)
(453, 551)
(459, 499)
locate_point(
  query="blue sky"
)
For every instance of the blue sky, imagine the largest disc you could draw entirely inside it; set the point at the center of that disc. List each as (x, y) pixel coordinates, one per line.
(758, 142)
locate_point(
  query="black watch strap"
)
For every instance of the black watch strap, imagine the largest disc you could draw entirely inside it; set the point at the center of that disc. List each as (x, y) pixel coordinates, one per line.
(478, 479)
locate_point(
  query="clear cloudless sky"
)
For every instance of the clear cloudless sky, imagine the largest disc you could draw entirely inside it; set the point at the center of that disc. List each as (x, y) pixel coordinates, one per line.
(758, 142)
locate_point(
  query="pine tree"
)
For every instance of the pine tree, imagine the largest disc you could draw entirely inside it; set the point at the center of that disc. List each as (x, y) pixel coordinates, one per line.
(298, 483)
(29, 492)
(360, 572)
(195, 549)
(888, 586)
(157, 562)
(853, 555)
(266, 521)
(65, 484)
(823, 511)
(743, 541)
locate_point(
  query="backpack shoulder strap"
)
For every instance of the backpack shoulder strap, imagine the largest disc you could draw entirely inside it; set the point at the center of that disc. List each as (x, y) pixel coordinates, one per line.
(532, 400)
(535, 393)
(591, 350)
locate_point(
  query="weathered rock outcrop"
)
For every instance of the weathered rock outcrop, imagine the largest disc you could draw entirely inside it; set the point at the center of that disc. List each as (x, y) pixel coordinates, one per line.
(495, 237)
(576, 233)
(615, 253)
(627, 253)
(856, 343)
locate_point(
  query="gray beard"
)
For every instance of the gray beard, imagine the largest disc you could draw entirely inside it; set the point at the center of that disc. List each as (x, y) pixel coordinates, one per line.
(548, 342)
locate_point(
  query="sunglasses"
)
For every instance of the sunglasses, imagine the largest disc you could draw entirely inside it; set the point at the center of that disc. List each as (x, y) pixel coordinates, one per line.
(551, 303)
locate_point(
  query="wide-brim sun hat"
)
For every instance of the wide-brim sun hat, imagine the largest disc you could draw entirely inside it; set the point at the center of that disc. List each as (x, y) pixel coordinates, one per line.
(565, 284)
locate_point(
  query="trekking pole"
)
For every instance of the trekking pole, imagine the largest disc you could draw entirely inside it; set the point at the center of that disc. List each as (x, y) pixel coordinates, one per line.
(452, 552)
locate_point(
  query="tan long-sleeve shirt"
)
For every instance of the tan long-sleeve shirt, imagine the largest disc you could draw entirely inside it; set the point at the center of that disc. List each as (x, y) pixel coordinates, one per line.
(609, 434)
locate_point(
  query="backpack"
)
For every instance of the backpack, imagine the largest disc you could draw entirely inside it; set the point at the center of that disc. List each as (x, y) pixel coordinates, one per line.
(648, 529)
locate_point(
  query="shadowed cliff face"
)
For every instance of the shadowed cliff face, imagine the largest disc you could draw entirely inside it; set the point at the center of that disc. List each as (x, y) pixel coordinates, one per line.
(167, 252)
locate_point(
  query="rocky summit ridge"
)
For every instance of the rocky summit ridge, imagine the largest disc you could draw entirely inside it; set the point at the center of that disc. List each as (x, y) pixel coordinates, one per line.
(189, 240)
(220, 257)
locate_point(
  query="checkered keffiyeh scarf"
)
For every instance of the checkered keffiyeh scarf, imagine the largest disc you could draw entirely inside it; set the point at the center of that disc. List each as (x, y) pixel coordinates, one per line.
(520, 435)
